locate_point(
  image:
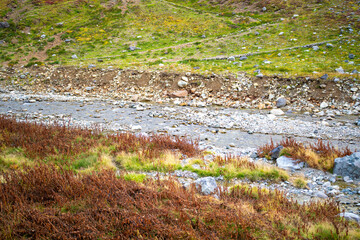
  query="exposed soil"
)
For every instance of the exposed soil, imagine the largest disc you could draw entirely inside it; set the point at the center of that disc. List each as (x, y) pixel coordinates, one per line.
(231, 88)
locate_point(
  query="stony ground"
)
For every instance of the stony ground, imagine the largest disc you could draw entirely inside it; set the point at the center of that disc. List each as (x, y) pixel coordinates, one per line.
(147, 102)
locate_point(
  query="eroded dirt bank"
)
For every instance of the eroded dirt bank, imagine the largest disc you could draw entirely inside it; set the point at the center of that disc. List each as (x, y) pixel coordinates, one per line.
(242, 91)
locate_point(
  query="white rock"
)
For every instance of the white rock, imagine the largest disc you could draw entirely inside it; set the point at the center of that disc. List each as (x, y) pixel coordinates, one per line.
(277, 112)
(288, 163)
(185, 79)
(350, 216)
(324, 105)
(136, 127)
(182, 84)
(271, 116)
(340, 70)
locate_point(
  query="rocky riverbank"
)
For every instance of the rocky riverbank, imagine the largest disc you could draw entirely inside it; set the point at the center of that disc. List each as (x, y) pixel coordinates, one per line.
(321, 97)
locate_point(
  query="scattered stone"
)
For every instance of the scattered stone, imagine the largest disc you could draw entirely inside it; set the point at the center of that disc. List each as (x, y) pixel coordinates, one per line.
(207, 185)
(132, 48)
(324, 105)
(340, 70)
(324, 77)
(179, 94)
(329, 45)
(350, 216)
(288, 163)
(348, 166)
(315, 48)
(275, 153)
(310, 185)
(182, 84)
(60, 24)
(320, 194)
(348, 179)
(231, 59)
(351, 56)
(4, 25)
(277, 112)
(263, 9)
(242, 58)
(92, 66)
(136, 127)
(74, 56)
(281, 102)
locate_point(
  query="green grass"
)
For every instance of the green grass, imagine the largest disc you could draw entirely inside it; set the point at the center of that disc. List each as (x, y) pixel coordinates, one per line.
(232, 168)
(171, 34)
(136, 177)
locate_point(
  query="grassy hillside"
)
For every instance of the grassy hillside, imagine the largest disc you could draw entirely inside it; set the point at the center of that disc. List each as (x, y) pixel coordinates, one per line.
(180, 35)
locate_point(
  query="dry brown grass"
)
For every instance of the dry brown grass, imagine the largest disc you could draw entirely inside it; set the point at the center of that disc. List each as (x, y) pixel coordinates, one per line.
(318, 155)
(47, 202)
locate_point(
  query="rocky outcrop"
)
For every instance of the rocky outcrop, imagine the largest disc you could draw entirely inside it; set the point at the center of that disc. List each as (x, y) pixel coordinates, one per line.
(348, 166)
(207, 185)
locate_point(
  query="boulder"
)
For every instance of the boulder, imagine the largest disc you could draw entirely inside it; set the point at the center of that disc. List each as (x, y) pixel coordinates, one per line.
(281, 102)
(179, 94)
(275, 153)
(207, 185)
(350, 216)
(348, 166)
(288, 163)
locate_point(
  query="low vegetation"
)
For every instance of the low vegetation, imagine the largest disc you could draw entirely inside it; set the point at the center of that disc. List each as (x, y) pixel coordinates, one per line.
(318, 155)
(174, 35)
(82, 149)
(49, 202)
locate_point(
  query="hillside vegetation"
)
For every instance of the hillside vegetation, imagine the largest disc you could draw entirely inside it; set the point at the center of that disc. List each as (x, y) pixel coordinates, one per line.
(197, 36)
